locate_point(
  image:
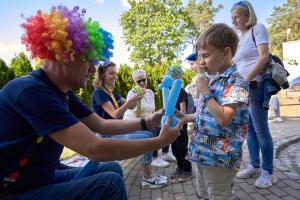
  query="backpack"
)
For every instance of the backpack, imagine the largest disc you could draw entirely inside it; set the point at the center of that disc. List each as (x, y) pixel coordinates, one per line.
(190, 104)
(276, 69)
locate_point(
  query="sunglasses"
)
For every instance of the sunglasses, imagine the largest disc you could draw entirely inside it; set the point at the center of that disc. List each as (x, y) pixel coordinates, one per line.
(105, 64)
(141, 80)
(239, 4)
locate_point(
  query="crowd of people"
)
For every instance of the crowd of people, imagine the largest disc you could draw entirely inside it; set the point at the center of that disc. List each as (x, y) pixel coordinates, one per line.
(40, 115)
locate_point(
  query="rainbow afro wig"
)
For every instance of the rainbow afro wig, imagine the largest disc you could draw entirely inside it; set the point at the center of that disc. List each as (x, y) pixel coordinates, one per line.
(63, 35)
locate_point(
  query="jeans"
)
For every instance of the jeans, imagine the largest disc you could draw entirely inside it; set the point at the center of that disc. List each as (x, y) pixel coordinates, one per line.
(147, 157)
(259, 137)
(107, 182)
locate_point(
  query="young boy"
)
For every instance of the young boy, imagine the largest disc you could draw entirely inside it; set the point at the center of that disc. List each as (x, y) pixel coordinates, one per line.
(183, 172)
(222, 115)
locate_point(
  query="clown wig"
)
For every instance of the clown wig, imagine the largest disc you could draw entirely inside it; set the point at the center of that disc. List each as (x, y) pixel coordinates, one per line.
(63, 35)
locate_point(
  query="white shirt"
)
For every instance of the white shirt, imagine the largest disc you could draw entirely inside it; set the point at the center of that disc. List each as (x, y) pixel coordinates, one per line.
(247, 54)
(147, 102)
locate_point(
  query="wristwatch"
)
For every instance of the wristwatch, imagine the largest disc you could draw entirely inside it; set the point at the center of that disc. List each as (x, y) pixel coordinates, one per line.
(207, 97)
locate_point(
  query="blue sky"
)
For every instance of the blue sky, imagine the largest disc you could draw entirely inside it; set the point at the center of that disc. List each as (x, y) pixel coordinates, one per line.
(107, 12)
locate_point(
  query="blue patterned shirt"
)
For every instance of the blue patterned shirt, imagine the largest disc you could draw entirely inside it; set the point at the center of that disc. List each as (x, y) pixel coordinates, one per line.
(211, 144)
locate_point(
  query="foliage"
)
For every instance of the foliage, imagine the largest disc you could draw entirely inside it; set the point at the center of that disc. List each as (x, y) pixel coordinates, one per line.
(155, 30)
(21, 65)
(201, 15)
(6, 73)
(124, 81)
(85, 94)
(283, 18)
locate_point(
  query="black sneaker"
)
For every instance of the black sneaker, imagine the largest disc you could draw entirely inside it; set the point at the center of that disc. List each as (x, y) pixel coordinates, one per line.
(184, 176)
(177, 173)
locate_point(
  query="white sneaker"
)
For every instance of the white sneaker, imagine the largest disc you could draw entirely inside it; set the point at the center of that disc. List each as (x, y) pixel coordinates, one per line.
(278, 119)
(248, 172)
(157, 162)
(154, 181)
(265, 180)
(168, 157)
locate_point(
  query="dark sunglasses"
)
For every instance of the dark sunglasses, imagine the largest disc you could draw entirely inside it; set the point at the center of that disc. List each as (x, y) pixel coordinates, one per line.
(141, 80)
(238, 4)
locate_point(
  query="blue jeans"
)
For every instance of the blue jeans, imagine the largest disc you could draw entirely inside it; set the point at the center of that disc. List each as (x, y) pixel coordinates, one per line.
(107, 182)
(136, 135)
(259, 137)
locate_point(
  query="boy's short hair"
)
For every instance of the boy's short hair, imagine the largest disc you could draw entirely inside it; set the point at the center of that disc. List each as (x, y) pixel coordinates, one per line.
(219, 36)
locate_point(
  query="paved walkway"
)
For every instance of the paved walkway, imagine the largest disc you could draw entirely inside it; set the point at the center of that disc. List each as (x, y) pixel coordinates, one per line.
(287, 187)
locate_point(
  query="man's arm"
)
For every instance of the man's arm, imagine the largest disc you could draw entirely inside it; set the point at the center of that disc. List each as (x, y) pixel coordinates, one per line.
(81, 139)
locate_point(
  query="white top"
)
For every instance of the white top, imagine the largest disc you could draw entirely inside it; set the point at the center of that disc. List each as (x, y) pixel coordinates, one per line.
(147, 102)
(192, 89)
(247, 54)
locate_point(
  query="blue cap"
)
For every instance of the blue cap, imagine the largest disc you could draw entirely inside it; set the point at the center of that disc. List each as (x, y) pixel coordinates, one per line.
(192, 57)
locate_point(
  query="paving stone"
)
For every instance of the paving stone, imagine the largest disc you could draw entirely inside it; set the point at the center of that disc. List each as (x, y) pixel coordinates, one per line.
(291, 192)
(277, 191)
(257, 196)
(272, 197)
(177, 188)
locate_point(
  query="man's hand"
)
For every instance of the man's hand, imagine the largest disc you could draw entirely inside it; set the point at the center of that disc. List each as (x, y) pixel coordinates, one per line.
(167, 134)
(154, 120)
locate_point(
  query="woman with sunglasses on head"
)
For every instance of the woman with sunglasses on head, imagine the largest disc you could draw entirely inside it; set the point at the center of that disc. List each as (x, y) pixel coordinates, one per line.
(146, 108)
(251, 57)
(109, 105)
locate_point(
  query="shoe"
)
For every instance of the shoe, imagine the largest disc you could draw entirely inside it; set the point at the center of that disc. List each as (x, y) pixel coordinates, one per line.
(154, 181)
(177, 172)
(160, 176)
(168, 157)
(250, 171)
(158, 162)
(265, 180)
(278, 119)
(184, 176)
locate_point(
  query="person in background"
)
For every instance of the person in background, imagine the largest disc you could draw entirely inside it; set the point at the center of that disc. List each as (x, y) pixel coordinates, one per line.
(109, 105)
(222, 114)
(183, 171)
(146, 108)
(40, 115)
(250, 59)
(275, 108)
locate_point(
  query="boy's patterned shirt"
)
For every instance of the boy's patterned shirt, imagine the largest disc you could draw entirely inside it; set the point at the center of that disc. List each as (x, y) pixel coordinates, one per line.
(211, 144)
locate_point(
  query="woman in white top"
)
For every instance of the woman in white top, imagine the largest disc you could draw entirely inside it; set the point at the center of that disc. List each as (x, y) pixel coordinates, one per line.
(147, 108)
(251, 57)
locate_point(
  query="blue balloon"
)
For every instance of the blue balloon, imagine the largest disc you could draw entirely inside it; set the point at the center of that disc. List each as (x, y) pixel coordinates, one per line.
(170, 98)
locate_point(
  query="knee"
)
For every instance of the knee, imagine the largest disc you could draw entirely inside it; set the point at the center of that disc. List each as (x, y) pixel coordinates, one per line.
(115, 167)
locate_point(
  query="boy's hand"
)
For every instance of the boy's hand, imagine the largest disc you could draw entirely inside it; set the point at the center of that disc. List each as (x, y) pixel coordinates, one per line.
(202, 84)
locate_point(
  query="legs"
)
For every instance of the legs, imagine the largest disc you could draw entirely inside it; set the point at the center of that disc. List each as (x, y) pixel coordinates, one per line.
(259, 137)
(107, 182)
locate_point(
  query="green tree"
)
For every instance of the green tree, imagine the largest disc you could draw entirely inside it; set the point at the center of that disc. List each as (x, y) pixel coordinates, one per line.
(283, 18)
(124, 81)
(6, 73)
(201, 15)
(21, 65)
(155, 30)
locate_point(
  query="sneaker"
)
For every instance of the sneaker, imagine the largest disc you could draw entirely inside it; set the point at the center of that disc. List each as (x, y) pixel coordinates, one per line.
(158, 162)
(278, 119)
(265, 180)
(250, 171)
(177, 172)
(168, 157)
(184, 176)
(154, 181)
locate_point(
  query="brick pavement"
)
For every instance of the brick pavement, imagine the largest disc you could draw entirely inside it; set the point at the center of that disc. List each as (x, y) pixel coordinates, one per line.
(287, 187)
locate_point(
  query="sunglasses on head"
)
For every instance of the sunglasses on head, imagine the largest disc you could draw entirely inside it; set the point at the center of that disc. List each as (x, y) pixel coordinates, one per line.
(239, 4)
(105, 64)
(142, 80)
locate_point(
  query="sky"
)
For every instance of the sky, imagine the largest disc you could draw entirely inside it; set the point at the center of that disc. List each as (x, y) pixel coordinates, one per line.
(107, 12)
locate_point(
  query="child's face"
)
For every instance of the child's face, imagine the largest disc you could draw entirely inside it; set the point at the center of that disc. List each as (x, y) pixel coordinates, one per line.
(193, 65)
(214, 60)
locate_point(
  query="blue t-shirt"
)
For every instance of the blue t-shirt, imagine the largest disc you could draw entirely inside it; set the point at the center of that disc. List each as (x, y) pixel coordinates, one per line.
(33, 106)
(100, 97)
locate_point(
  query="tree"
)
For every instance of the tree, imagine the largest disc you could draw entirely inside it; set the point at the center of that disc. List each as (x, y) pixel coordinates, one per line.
(21, 65)
(155, 30)
(201, 15)
(284, 18)
(6, 73)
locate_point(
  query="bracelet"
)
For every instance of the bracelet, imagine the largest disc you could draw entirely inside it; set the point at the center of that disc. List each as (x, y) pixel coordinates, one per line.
(143, 123)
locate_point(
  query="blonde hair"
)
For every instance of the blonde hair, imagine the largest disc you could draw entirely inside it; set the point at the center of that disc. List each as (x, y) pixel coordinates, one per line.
(101, 69)
(219, 36)
(247, 9)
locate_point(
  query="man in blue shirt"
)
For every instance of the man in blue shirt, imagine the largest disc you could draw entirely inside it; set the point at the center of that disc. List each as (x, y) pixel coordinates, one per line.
(40, 115)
